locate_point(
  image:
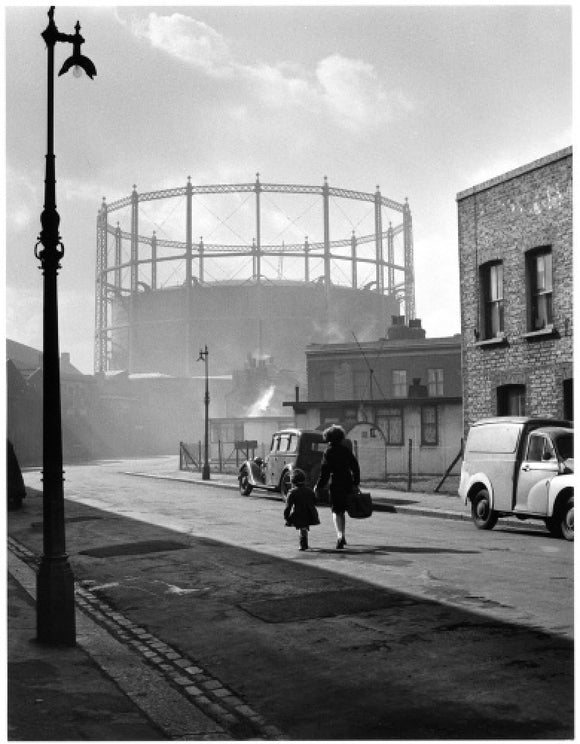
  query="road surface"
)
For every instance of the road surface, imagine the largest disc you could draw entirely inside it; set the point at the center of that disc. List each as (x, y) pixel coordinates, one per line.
(423, 628)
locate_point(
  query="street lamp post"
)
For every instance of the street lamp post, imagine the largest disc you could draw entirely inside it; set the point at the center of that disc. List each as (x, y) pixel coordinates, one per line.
(203, 356)
(55, 607)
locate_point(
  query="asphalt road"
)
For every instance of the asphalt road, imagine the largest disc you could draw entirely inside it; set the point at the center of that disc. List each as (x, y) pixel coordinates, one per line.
(514, 575)
(423, 628)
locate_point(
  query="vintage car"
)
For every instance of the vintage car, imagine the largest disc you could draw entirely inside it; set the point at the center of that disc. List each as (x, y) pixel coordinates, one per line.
(522, 467)
(290, 448)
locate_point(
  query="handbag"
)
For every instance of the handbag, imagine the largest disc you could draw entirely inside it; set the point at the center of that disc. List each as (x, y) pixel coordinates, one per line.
(359, 505)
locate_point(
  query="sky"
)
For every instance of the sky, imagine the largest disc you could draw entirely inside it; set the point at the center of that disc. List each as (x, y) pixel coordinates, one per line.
(423, 101)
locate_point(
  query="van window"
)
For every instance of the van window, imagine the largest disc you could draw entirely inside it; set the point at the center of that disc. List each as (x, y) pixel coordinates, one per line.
(275, 443)
(292, 442)
(537, 446)
(497, 438)
(284, 442)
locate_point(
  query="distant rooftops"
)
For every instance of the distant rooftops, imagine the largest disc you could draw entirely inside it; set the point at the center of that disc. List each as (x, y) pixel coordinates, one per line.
(399, 334)
(28, 360)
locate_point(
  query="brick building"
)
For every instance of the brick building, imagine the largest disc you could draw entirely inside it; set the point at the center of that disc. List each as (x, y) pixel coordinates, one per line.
(515, 260)
(398, 392)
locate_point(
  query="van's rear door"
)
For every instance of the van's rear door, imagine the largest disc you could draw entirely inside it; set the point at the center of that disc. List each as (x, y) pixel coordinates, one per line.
(492, 449)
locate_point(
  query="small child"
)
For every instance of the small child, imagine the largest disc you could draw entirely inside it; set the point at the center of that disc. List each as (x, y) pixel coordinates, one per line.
(300, 511)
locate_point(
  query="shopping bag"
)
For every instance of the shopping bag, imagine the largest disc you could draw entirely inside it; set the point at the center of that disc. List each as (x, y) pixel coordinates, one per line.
(359, 505)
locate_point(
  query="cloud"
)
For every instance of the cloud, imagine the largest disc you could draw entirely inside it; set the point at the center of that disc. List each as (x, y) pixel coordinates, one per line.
(352, 91)
(349, 91)
(186, 39)
(277, 86)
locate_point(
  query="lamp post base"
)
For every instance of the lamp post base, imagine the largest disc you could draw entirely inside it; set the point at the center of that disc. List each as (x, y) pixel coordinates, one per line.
(55, 602)
(205, 473)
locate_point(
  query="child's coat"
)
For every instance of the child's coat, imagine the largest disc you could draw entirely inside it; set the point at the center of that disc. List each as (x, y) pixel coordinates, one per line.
(301, 508)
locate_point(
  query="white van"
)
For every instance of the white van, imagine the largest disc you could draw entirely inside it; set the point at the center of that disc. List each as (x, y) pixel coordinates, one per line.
(520, 466)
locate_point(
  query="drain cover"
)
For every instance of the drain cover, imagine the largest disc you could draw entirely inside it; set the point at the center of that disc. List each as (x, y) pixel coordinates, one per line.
(322, 604)
(136, 548)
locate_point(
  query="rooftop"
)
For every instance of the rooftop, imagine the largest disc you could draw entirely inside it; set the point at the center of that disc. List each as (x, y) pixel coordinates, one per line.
(534, 165)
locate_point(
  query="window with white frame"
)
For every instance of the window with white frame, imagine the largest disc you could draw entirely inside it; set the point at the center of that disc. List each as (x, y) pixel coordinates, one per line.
(429, 425)
(390, 421)
(399, 383)
(435, 382)
(539, 275)
(491, 278)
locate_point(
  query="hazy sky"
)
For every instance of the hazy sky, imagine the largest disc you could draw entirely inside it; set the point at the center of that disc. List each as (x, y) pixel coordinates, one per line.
(424, 101)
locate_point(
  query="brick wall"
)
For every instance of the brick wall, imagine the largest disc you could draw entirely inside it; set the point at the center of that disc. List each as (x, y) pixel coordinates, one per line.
(502, 220)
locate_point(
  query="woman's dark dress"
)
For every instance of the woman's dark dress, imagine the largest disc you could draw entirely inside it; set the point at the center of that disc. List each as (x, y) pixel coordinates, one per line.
(341, 467)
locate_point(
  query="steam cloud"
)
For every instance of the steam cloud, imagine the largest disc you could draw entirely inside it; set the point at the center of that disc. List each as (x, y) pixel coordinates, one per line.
(261, 405)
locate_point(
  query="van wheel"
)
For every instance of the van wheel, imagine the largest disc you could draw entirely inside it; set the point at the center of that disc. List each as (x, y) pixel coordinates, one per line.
(285, 485)
(561, 524)
(484, 517)
(245, 486)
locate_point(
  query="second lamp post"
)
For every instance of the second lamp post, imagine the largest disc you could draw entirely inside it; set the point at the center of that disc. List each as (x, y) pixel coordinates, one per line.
(203, 356)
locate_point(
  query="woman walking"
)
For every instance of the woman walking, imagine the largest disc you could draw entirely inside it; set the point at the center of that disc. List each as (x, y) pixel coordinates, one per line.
(341, 468)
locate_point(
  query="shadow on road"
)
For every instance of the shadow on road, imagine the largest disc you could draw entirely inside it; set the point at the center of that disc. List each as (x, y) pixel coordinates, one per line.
(319, 654)
(389, 549)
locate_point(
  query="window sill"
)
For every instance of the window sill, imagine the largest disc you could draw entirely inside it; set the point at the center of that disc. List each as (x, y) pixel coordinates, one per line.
(542, 334)
(495, 341)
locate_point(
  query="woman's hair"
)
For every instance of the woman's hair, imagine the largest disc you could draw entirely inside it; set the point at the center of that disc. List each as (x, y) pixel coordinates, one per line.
(334, 434)
(298, 476)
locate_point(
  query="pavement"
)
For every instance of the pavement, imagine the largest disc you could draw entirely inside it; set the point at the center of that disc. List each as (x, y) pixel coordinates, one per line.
(122, 682)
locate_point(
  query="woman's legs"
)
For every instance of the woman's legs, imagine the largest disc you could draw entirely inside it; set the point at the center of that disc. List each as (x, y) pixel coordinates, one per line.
(304, 538)
(340, 525)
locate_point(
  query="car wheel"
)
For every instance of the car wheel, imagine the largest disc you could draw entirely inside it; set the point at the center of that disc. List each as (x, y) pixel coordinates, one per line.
(245, 486)
(561, 524)
(285, 485)
(484, 517)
